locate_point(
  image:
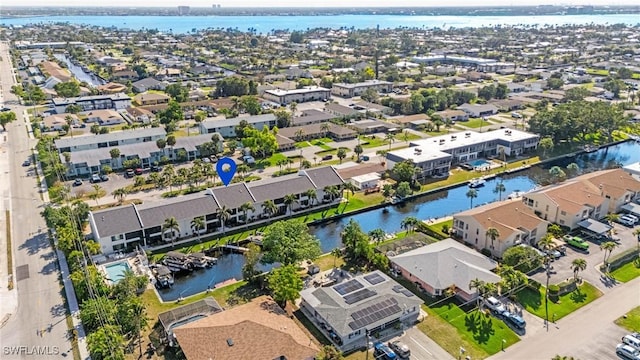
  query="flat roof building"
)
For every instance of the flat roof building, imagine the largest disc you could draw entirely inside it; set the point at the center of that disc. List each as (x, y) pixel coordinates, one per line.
(307, 93)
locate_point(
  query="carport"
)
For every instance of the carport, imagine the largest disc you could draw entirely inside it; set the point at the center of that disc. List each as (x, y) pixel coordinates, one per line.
(631, 208)
(595, 227)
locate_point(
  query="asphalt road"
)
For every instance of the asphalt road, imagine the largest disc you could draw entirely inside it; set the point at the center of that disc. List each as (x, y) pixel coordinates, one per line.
(37, 327)
(587, 334)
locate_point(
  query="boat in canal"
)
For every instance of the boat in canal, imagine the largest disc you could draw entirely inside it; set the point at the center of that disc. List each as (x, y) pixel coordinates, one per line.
(201, 261)
(177, 262)
(164, 277)
(476, 183)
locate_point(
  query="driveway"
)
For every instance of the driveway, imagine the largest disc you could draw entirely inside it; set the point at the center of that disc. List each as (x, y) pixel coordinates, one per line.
(421, 346)
(595, 257)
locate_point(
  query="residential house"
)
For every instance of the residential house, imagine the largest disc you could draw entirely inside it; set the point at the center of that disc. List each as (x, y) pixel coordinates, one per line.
(148, 84)
(168, 73)
(357, 89)
(587, 196)
(125, 75)
(340, 111)
(125, 227)
(307, 93)
(97, 102)
(370, 126)
(227, 127)
(413, 121)
(315, 131)
(453, 115)
(373, 108)
(52, 68)
(516, 224)
(311, 116)
(366, 181)
(259, 329)
(146, 98)
(350, 311)
(444, 265)
(112, 88)
(57, 122)
(430, 161)
(295, 73)
(507, 104)
(141, 115)
(104, 117)
(479, 110)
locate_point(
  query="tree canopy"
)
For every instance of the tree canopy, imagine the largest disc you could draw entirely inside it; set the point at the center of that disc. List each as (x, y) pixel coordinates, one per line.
(289, 242)
(261, 142)
(285, 284)
(522, 258)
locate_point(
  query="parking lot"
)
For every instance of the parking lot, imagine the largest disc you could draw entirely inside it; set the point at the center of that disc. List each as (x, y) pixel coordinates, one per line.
(421, 346)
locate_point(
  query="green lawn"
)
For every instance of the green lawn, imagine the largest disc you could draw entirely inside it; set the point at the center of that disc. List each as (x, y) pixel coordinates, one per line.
(437, 227)
(626, 272)
(302, 144)
(372, 141)
(600, 72)
(479, 333)
(475, 123)
(409, 136)
(270, 161)
(631, 320)
(533, 301)
(322, 143)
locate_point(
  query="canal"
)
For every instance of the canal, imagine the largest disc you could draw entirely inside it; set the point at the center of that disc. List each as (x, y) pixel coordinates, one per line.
(435, 205)
(79, 73)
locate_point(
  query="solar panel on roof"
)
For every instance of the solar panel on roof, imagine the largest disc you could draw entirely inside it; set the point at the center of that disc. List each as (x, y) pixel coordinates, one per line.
(374, 278)
(348, 287)
(368, 315)
(358, 296)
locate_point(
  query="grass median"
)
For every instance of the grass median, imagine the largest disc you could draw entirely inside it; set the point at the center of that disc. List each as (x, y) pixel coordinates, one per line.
(533, 300)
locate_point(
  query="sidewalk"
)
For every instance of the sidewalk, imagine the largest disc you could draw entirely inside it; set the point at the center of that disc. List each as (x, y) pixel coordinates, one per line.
(8, 298)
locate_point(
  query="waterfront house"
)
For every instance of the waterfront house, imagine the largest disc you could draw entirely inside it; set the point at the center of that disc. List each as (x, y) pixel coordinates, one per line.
(96, 102)
(148, 84)
(443, 265)
(143, 222)
(366, 305)
(589, 196)
(259, 329)
(112, 88)
(516, 224)
(430, 160)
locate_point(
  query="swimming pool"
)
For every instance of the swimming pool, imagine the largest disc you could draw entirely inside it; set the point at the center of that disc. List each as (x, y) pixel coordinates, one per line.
(479, 163)
(116, 271)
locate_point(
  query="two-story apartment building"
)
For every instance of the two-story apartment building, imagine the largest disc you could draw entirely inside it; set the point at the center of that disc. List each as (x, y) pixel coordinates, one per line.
(227, 127)
(307, 93)
(125, 227)
(96, 102)
(112, 139)
(587, 196)
(516, 224)
(357, 89)
(355, 308)
(432, 162)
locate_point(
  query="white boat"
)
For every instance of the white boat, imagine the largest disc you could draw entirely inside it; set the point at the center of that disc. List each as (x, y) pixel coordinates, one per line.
(475, 183)
(177, 261)
(590, 148)
(516, 194)
(202, 261)
(163, 276)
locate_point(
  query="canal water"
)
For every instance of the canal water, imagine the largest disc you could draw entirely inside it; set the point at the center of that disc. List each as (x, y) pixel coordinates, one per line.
(79, 73)
(435, 205)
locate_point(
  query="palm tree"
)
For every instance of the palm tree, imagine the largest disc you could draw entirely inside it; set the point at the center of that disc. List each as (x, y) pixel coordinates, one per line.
(478, 285)
(312, 195)
(197, 224)
(325, 127)
(409, 223)
(120, 194)
(611, 218)
(499, 190)
(391, 139)
(269, 208)
(96, 193)
(492, 233)
(332, 191)
(288, 201)
(377, 235)
(336, 253)
(293, 107)
(243, 169)
(608, 247)
(578, 265)
(170, 226)
(245, 209)
(224, 214)
(349, 188)
(472, 194)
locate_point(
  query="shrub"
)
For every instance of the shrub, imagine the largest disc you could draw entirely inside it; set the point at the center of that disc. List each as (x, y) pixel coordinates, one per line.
(554, 289)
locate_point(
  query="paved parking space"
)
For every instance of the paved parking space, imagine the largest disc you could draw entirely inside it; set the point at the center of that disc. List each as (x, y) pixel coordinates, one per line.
(421, 346)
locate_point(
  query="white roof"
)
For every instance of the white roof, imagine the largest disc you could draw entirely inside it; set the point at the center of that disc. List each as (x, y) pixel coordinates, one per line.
(633, 169)
(467, 138)
(304, 90)
(366, 177)
(427, 153)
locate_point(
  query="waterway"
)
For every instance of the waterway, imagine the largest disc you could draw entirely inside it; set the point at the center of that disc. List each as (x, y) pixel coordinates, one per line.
(265, 24)
(79, 73)
(435, 205)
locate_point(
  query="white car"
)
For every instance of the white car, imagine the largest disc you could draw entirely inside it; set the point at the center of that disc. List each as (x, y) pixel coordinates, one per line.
(495, 305)
(627, 352)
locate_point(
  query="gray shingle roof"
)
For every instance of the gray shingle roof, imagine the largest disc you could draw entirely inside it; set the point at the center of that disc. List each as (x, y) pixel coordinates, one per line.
(278, 190)
(324, 176)
(117, 220)
(214, 124)
(186, 207)
(338, 314)
(233, 196)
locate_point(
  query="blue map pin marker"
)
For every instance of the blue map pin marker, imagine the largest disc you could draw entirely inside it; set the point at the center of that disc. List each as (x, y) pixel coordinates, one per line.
(226, 175)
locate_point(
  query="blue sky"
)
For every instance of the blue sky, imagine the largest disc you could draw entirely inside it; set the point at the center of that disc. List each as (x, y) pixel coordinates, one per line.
(323, 3)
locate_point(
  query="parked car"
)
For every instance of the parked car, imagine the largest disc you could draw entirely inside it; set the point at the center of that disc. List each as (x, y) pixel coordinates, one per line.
(129, 173)
(364, 158)
(626, 220)
(77, 182)
(138, 171)
(636, 335)
(514, 320)
(553, 253)
(156, 168)
(631, 341)
(382, 351)
(495, 305)
(627, 352)
(95, 178)
(327, 157)
(401, 349)
(27, 162)
(576, 242)
(104, 177)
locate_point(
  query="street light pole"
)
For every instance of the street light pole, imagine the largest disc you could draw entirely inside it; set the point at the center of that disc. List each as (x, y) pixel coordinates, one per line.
(546, 295)
(366, 345)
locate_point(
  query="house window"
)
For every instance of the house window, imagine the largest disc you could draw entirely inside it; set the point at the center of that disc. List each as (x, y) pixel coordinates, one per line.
(563, 212)
(561, 222)
(477, 231)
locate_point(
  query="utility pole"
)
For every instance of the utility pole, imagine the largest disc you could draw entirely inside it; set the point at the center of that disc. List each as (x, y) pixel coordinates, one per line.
(366, 345)
(377, 57)
(546, 295)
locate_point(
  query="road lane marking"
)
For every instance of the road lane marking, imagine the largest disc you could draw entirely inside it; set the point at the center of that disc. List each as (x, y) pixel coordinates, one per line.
(422, 347)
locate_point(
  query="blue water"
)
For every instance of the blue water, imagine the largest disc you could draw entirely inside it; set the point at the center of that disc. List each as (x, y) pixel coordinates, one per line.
(115, 272)
(478, 163)
(80, 74)
(265, 24)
